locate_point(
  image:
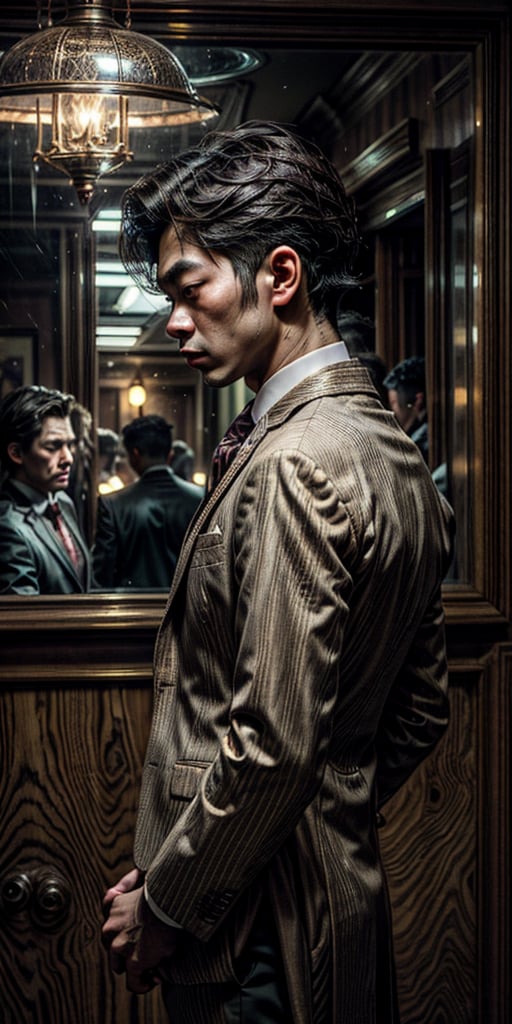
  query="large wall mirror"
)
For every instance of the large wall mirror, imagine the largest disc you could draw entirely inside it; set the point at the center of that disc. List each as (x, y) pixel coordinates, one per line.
(406, 106)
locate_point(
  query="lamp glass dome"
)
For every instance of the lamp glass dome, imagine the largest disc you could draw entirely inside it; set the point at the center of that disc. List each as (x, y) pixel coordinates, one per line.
(85, 83)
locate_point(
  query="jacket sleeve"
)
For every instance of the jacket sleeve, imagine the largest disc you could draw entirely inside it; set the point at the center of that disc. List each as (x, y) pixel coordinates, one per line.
(416, 712)
(104, 552)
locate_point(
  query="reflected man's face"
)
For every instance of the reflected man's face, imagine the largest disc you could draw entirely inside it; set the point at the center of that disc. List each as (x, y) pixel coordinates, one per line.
(47, 463)
(407, 413)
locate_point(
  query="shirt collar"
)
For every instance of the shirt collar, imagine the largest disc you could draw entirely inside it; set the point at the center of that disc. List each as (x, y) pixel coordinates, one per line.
(38, 501)
(156, 469)
(284, 380)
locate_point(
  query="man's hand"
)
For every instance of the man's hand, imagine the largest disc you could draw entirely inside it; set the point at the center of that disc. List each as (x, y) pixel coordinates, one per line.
(136, 939)
(133, 880)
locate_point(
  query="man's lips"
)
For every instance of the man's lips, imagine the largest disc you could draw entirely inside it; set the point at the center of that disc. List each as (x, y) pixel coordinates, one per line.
(193, 356)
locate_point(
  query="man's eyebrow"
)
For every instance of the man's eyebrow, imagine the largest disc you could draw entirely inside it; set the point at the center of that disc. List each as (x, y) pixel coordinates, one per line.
(173, 273)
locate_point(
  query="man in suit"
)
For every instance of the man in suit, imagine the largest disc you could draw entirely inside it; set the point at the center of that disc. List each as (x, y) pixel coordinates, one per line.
(140, 528)
(300, 668)
(405, 385)
(41, 548)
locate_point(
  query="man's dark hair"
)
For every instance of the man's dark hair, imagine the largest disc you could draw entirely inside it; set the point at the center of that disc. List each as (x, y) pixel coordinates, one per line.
(407, 377)
(241, 193)
(151, 435)
(183, 457)
(22, 412)
(357, 331)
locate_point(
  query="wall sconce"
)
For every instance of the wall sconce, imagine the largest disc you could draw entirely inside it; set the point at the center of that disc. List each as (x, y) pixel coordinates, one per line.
(84, 83)
(137, 393)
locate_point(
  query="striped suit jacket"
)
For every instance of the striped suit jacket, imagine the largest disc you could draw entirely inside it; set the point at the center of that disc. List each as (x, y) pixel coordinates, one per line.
(300, 676)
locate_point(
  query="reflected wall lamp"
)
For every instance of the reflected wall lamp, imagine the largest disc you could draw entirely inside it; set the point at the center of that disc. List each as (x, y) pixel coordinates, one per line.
(84, 83)
(137, 393)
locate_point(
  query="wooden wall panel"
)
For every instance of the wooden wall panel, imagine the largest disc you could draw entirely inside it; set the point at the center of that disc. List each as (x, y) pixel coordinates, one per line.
(70, 764)
(431, 874)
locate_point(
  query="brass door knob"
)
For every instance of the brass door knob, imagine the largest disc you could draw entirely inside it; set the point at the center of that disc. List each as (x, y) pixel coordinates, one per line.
(51, 898)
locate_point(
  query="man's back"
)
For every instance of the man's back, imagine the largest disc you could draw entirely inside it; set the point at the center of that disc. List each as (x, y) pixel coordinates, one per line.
(141, 528)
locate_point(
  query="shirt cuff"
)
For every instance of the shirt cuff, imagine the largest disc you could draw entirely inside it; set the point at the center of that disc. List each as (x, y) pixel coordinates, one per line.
(157, 912)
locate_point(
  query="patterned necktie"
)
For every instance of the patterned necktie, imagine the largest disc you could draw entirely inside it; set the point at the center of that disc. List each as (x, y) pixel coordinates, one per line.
(230, 444)
(57, 519)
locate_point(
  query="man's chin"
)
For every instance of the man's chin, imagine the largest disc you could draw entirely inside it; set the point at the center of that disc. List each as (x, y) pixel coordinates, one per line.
(218, 381)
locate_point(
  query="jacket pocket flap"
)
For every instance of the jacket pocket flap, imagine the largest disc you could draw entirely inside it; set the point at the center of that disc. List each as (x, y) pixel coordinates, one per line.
(186, 778)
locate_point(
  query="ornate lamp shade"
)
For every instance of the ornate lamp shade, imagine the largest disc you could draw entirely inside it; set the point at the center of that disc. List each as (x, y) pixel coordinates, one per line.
(85, 83)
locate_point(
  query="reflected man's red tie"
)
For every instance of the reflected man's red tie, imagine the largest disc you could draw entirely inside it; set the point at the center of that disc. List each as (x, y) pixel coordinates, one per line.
(64, 534)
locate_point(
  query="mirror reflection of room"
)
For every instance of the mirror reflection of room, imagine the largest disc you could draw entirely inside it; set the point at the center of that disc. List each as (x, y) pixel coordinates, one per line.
(71, 317)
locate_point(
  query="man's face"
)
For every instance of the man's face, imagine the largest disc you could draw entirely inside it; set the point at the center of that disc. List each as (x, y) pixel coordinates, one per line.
(215, 334)
(46, 465)
(407, 413)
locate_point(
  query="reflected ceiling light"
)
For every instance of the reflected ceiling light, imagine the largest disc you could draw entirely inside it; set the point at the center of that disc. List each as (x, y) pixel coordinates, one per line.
(137, 393)
(84, 83)
(208, 65)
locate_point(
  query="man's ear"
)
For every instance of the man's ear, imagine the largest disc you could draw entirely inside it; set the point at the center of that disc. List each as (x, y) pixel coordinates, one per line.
(14, 452)
(285, 265)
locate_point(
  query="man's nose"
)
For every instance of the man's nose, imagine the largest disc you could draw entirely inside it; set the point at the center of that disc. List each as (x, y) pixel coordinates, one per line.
(180, 325)
(67, 453)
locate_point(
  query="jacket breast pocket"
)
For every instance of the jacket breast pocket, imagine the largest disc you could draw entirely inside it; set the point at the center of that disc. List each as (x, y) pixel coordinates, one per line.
(208, 550)
(186, 778)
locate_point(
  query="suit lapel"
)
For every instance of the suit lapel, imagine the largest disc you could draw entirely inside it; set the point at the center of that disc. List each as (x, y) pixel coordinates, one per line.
(45, 535)
(209, 504)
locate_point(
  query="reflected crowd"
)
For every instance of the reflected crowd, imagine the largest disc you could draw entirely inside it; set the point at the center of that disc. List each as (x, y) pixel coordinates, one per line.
(52, 472)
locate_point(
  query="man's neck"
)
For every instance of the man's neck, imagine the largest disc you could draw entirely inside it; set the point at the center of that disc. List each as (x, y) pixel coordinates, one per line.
(295, 340)
(294, 372)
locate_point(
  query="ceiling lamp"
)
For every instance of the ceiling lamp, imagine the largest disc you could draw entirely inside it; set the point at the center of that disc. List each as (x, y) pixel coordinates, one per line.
(137, 393)
(84, 83)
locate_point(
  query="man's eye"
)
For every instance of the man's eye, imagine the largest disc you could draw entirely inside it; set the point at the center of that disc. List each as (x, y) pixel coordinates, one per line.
(190, 291)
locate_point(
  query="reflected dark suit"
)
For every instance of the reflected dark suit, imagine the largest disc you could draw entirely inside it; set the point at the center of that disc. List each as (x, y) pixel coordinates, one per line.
(32, 558)
(140, 530)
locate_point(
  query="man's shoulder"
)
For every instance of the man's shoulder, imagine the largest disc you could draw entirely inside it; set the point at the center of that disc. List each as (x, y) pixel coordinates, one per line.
(114, 498)
(11, 505)
(187, 487)
(8, 509)
(165, 477)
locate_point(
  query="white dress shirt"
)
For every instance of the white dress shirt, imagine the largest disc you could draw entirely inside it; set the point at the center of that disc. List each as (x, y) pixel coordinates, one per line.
(284, 380)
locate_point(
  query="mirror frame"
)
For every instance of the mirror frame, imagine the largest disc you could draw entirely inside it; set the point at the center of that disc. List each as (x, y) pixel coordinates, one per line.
(75, 626)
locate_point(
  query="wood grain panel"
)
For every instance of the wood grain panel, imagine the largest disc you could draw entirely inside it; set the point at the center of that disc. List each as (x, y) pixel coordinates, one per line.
(431, 874)
(70, 764)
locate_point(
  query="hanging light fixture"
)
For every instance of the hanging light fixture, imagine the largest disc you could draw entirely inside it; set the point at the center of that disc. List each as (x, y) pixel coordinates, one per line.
(137, 393)
(84, 83)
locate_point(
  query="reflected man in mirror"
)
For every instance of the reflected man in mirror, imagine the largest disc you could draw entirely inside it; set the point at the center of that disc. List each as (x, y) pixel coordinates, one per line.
(407, 399)
(300, 668)
(358, 333)
(140, 529)
(182, 459)
(41, 548)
